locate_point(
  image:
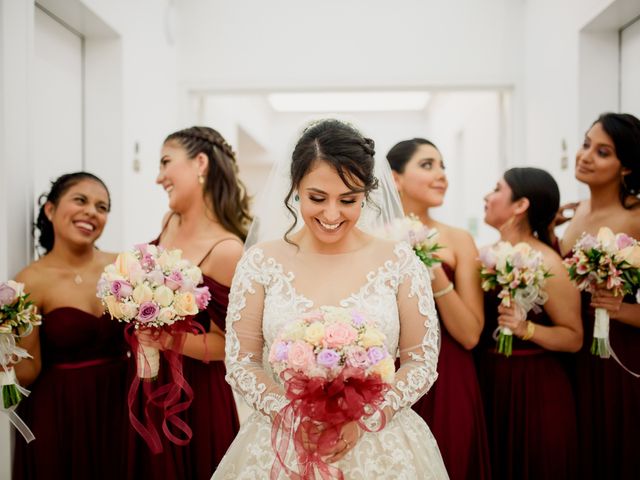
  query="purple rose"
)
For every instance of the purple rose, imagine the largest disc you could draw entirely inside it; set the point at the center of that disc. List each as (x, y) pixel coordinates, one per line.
(121, 289)
(358, 318)
(587, 242)
(488, 258)
(148, 312)
(7, 294)
(376, 354)
(328, 358)
(279, 352)
(174, 281)
(203, 296)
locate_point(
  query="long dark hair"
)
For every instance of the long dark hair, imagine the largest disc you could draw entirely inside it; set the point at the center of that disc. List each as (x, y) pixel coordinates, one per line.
(43, 227)
(401, 152)
(223, 189)
(341, 146)
(541, 189)
(624, 130)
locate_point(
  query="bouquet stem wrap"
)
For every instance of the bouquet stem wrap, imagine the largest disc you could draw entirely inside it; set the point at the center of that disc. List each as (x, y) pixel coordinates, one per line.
(315, 416)
(12, 393)
(600, 343)
(172, 398)
(147, 362)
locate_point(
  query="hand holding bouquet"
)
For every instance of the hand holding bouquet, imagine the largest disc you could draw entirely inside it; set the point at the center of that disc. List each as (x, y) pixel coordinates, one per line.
(423, 240)
(18, 316)
(154, 289)
(605, 261)
(520, 274)
(336, 370)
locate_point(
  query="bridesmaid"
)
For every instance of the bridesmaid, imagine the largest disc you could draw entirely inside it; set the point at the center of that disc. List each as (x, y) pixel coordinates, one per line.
(208, 221)
(528, 398)
(77, 375)
(453, 407)
(607, 396)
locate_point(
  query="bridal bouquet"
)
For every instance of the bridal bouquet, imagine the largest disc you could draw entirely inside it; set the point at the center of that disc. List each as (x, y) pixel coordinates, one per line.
(422, 239)
(18, 316)
(156, 289)
(519, 272)
(605, 261)
(336, 369)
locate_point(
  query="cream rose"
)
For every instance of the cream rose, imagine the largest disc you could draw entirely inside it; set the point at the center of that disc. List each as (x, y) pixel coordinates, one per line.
(314, 333)
(113, 307)
(194, 274)
(123, 262)
(631, 255)
(168, 259)
(295, 330)
(142, 293)
(163, 295)
(17, 287)
(185, 304)
(129, 310)
(607, 239)
(166, 316)
(386, 369)
(372, 337)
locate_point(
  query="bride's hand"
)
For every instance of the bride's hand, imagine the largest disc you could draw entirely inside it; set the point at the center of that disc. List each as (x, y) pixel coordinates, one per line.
(160, 340)
(349, 436)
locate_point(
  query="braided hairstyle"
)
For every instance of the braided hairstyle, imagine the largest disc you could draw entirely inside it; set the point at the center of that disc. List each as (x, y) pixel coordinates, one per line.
(401, 153)
(341, 146)
(539, 187)
(624, 130)
(43, 227)
(222, 188)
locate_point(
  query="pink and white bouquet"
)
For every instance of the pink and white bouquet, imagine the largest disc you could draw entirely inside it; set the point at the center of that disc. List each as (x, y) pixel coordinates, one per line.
(520, 274)
(18, 316)
(336, 369)
(423, 240)
(152, 288)
(610, 261)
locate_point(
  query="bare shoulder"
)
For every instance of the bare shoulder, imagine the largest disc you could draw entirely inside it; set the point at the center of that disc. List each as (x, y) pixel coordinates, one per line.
(458, 239)
(35, 278)
(632, 222)
(223, 259)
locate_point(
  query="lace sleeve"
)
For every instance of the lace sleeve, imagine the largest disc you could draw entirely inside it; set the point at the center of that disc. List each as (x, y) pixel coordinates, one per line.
(419, 342)
(244, 340)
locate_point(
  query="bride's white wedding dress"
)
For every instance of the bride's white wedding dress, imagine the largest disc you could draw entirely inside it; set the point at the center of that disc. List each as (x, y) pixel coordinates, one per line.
(274, 283)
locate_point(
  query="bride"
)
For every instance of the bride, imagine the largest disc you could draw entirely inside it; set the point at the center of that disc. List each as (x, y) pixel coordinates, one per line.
(332, 260)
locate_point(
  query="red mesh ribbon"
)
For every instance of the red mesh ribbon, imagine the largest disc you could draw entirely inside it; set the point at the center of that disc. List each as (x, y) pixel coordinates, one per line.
(315, 416)
(169, 397)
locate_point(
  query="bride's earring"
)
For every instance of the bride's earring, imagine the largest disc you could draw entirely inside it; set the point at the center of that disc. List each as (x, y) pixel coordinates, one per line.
(296, 198)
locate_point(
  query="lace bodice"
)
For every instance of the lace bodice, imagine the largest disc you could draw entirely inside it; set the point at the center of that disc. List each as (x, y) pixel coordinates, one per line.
(384, 280)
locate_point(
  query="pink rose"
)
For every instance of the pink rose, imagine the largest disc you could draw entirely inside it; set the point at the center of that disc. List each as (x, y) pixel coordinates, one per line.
(279, 352)
(174, 281)
(121, 289)
(339, 334)
(623, 241)
(358, 358)
(301, 356)
(7, 295)
(203, 297)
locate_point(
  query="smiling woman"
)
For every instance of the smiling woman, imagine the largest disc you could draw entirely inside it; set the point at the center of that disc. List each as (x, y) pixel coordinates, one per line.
(78, 370)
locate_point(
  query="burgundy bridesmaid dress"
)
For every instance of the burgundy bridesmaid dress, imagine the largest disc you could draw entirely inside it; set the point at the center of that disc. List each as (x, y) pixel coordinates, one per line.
(212, 415)
(608, 402)
(529, 405)
(77, 407)
(453, 410)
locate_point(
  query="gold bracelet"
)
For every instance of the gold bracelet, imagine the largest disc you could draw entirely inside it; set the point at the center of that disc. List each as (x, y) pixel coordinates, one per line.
(531, 328)
(444, 291)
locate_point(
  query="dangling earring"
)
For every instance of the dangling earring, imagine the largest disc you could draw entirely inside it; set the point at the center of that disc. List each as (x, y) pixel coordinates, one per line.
(296, 198)
(362, 204)
(201, 179)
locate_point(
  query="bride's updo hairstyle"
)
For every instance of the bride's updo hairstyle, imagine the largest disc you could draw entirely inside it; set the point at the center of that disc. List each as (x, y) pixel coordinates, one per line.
(341, 146)
(539, 187)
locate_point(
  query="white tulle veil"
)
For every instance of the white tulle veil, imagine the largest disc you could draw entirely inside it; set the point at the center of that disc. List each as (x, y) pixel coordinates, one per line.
(272, 219)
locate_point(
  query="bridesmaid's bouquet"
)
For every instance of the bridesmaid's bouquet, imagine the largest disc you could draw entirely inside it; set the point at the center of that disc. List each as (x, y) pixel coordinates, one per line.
(519, 272)
(336, 369)
(423, 240)
(156, 289)
(152, 288)
(605, 261)
(18, 316)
